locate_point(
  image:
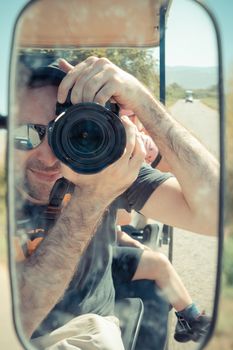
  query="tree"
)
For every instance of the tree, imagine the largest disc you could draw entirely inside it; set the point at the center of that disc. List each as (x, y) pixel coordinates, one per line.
(137, 61)
(174, 92)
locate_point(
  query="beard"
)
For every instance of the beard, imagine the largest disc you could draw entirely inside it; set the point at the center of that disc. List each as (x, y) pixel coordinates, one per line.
(37, 188)
(40, 191)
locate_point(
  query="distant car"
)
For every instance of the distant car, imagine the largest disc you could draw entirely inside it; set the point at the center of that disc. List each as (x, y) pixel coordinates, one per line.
(189, 96)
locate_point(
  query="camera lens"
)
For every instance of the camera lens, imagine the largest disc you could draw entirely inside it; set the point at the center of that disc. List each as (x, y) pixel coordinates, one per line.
(87, 137)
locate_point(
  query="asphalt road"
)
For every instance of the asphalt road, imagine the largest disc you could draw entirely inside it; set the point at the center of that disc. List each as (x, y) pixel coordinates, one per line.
(194, 255)
(201, 120)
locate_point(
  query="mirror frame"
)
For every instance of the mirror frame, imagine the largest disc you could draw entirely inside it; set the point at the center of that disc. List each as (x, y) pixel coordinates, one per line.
(222, 173)
(4, 123)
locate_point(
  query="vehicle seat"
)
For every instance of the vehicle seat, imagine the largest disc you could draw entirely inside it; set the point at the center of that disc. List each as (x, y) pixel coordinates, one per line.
(130, 312)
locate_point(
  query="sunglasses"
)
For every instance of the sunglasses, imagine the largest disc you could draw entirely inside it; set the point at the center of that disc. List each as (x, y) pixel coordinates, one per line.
(29, 136)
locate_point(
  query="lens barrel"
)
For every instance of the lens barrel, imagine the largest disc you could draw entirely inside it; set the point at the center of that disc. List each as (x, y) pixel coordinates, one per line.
(87, 137)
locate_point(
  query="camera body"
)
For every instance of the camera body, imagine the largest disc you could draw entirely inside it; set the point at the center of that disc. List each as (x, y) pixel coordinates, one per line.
(87, 137)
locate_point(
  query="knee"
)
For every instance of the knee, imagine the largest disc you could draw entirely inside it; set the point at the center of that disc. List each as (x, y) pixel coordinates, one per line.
(163, 261)
(159, 262)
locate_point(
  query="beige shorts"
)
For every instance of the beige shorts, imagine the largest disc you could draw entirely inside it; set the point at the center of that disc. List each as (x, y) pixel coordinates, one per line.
(85, 332)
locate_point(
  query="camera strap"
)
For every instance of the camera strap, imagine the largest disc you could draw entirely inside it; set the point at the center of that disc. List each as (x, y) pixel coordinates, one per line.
(35, 221)
(59, 197)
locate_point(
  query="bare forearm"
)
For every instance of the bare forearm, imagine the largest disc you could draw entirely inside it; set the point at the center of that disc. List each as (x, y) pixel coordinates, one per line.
(194, 166)
(44, 276)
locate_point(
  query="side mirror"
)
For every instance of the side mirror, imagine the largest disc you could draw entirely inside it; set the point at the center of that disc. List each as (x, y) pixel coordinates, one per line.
(131, 35)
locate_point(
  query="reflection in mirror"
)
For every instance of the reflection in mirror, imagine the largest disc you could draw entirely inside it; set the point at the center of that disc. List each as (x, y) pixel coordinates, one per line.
(192, 99)
(91, 195)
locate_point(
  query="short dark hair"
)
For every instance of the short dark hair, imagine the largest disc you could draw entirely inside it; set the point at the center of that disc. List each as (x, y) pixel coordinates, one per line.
(47, 75)
(30, 76)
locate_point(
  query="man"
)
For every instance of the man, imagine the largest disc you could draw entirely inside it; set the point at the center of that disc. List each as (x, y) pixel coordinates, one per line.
(71, 267)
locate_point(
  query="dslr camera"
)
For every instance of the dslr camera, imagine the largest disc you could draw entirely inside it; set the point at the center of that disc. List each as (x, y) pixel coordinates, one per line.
(87, 137)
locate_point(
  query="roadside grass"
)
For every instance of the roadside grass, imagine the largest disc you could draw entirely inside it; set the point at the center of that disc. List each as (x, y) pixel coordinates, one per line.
(3, 248)
(211, 102)
(2, 230)
(223, 338)
(2, 216)
(170, 101)
(223, 334)
(226, 310)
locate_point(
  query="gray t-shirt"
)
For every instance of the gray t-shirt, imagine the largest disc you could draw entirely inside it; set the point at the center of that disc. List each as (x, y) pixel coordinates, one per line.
(91, 289)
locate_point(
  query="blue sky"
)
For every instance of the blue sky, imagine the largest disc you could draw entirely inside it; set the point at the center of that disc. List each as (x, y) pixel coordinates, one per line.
(192, 29)
(223, 12)
(186, 42)
(180, 24)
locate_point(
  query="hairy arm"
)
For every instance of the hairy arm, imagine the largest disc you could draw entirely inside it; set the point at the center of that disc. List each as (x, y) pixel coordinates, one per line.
(191, 199)
(45, 275)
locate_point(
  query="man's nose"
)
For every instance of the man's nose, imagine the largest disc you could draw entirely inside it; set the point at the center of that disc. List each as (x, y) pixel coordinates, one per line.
(46, 154)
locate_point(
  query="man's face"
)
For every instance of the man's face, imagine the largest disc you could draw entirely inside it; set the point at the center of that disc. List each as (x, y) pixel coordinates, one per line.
(38, 169)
